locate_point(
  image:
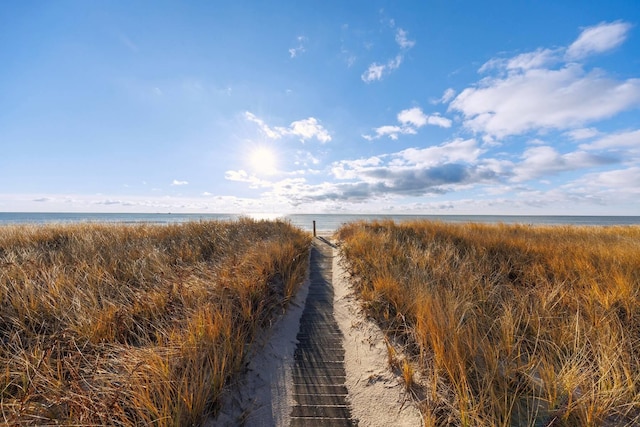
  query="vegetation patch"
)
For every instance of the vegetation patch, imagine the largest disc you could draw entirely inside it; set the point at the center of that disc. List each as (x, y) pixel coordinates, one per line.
(509, 324)
(135, 324)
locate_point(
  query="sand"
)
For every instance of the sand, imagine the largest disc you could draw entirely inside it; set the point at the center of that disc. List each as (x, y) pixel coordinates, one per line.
(263, 395)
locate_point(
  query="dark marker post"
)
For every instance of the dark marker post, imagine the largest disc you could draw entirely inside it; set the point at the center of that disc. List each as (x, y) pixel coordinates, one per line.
(314, 228)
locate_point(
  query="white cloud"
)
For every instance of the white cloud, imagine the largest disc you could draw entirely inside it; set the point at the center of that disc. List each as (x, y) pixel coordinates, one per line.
(402, 40)
(525, 61)
(621, 178)
(544, 99)
(300, 48)
(305, 158)
(447, 96)
(582, 133)
(304, 129)
(309, 128)
(545, 160)
(438, 120)
(526, 94)
(178, 182)
(530, 60)
(415, 117)
(373, 73)
(412, 116)
(619, 187)
(597, 39)
(458, 150)
(410, 120)
(271, 133)
(377, 71)
(414, 172)
(243, 176)
(616, 141)
(391, 131)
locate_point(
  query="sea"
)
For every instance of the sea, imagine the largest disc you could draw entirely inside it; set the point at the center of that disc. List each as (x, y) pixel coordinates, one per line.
(323, 222)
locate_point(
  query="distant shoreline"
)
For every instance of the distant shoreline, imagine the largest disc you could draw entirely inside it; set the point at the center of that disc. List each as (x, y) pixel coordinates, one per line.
(324, 222)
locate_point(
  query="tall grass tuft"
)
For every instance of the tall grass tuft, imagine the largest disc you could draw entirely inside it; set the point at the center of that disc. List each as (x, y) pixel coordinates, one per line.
(510, 324)
(135, 324)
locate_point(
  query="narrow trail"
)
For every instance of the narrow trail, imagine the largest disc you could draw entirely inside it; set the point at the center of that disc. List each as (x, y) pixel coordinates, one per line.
(319, 374)
(322, 363)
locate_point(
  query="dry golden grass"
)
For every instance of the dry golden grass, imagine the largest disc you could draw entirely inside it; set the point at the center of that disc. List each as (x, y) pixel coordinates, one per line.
(135, 324)
(510, 325)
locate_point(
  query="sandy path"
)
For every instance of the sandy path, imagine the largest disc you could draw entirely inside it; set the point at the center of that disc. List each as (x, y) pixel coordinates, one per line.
(377, 395)
(264, 394)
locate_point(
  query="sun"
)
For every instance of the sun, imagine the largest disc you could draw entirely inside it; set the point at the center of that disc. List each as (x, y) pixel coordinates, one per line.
(263, 160)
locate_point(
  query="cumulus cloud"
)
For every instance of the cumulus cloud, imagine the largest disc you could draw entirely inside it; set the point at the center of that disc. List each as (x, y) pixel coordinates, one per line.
(412, 116)
(597, 39)
(309, 128)
(177, 182)
(413, 172)
(543, 161)
(377, 71)
(410, 120)
(526, 94)
(305, 129)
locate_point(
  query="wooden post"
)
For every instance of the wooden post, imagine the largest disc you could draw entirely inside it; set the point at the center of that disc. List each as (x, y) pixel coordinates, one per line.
(314, 228)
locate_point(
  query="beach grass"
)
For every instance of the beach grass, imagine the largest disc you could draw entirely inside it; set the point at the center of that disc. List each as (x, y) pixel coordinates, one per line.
(113, 324)
(508, 325)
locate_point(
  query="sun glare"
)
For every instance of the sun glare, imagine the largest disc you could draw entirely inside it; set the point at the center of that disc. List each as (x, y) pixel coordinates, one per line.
(263, 160)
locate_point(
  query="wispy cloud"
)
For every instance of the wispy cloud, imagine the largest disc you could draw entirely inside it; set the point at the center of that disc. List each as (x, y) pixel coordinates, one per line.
(598, 39)
(628, 141)
(305, 129)
(377, 71)
(402, 39)
(242, 176)
(177, 182)
(125, 40)
(409, 121)
(526, 94)
(447, 96)
(299, 48)
(582, 133)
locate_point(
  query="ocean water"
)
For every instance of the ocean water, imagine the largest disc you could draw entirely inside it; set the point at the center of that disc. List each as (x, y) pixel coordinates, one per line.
(324, 222)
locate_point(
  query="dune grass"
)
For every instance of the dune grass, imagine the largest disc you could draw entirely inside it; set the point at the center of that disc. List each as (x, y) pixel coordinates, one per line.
(508, 324)
(135, 324)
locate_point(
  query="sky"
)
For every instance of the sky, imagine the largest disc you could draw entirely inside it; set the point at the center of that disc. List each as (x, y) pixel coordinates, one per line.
(391, 107)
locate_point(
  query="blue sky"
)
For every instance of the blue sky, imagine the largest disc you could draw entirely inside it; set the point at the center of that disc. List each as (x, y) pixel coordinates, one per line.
(434, 107)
